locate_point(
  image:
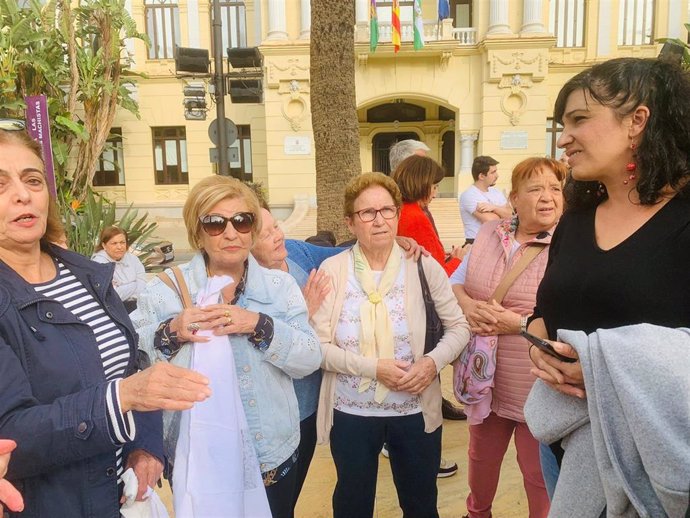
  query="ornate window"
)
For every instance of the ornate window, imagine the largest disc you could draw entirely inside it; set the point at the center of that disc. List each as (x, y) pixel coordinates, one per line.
(461, 12)
(448, 153)
(396, 111)
(636, 22)
(170, 155)
(567, 22)
(233, 15)
(242, 167)
(553, 132)
(162, 28)
(110, 169)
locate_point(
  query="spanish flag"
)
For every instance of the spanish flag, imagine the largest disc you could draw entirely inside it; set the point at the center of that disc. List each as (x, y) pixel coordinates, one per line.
(373, 26)
(395, 26)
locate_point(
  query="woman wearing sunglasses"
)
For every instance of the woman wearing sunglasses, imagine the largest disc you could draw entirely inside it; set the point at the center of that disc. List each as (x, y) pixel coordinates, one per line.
(70, 393)
(262, 320)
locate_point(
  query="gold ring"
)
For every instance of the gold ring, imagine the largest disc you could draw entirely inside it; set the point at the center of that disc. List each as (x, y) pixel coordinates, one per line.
(227, 314)
(229, 320)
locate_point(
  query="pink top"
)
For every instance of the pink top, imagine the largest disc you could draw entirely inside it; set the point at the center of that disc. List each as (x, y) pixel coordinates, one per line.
(488, 263)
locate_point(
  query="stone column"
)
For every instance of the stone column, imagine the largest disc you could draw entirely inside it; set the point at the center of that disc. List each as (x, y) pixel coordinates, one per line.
(362, 20)
(276, 21)
(467, 140)
(305, 18)
(532, 17)
(498, 17)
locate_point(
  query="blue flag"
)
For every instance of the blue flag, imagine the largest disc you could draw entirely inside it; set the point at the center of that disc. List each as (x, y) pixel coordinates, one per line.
(443, 9)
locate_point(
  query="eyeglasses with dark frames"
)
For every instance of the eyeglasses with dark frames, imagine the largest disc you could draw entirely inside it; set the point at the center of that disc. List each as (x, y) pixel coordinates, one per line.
(12, 125)
(215, 224)
(369, 215)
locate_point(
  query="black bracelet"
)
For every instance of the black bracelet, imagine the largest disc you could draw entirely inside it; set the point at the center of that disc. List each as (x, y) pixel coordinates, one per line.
(165, 340)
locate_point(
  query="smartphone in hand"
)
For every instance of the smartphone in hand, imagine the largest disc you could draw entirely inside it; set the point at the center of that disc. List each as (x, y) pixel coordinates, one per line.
(545, 346)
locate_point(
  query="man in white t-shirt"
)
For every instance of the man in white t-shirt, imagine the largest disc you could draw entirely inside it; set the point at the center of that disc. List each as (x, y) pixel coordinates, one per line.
(482, 202)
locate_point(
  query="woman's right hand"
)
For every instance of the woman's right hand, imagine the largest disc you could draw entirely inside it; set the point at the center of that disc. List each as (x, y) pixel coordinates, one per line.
(389, 372)
(8, 494)
(203, 317)
(561, 376)
(163, 387)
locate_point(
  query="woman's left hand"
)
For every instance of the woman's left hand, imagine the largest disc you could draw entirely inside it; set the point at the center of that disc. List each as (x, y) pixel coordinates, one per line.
(316, 289)
(148, 470)
(232, 320)
(413, 250)
(495, 320)
(561, 376)
(418, 377)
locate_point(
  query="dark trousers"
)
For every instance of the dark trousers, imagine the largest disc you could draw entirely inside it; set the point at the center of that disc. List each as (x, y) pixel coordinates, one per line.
(281, 494)
(414, 456)
(307, 443)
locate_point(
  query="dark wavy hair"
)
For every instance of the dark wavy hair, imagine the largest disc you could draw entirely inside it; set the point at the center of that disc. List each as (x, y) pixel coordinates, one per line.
(623, 84)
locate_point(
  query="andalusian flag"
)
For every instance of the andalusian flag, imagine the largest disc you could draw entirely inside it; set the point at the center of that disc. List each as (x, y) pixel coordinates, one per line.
(373, 26)
(395, 25)
(418, 25)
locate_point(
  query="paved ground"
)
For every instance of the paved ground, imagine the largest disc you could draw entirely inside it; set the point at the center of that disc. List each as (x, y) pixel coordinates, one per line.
(510, 502)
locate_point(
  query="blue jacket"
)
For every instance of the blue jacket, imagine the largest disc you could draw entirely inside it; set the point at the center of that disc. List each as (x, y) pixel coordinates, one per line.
(301, 260)
(52, 402)
(264, 377)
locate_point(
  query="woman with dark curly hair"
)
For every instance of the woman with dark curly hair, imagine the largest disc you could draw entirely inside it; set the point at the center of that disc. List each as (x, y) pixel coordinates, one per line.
(619, 258)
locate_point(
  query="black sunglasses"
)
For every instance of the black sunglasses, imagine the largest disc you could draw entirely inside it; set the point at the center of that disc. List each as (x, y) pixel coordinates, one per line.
(214, 224)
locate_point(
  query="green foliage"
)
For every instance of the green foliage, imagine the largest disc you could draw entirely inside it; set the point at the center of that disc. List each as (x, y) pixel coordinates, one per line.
(681, 43)
(75, 54)
(84, 221)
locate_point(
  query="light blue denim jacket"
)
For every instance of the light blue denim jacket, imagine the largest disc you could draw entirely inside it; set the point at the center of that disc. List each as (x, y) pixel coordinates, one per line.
(265, 378)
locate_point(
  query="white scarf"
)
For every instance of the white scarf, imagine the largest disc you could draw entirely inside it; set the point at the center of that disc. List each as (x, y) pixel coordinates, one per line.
(216, 472)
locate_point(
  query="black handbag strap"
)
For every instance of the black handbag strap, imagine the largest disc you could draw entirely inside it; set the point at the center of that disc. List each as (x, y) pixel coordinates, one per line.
(432, 319)
(426, 292)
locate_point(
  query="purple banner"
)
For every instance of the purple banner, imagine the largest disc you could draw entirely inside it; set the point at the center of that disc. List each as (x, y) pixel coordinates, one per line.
(38, 126)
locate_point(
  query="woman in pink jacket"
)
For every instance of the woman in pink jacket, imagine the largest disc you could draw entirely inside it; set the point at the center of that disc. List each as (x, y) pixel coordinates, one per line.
(537, 198)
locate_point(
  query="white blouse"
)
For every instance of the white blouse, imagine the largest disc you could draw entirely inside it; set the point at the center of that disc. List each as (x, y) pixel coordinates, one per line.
(348, 399)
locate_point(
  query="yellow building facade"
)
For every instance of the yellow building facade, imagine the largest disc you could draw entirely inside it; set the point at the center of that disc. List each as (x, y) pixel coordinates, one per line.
(484, 83)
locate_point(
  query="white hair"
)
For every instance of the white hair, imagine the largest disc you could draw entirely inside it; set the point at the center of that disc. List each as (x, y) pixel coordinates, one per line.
(403, 149)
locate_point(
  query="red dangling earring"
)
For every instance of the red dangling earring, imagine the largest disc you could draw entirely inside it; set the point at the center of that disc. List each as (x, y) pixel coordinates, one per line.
(631, 166)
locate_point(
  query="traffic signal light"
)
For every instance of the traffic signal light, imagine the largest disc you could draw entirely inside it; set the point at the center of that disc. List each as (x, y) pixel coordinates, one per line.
(194, 102)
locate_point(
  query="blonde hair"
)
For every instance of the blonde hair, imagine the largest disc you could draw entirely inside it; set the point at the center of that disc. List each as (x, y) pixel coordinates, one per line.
(55, 231)
(360, 183)
(207, 194)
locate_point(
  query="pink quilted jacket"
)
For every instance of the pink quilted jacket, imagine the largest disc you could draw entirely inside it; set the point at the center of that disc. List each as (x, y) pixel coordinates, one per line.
(488, 263)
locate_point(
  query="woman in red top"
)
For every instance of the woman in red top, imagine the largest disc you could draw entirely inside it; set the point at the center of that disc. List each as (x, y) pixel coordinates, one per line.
(417, 177)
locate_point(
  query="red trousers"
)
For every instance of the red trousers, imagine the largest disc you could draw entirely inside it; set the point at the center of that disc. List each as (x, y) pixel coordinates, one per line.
(488, 444)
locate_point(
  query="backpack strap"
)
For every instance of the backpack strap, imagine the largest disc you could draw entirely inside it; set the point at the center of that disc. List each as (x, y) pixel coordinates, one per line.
(179, 286)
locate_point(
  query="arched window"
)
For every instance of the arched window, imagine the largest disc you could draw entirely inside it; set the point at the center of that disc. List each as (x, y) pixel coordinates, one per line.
(398, 110)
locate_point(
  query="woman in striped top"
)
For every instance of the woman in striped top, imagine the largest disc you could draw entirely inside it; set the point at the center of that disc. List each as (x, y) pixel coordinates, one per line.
(71, 395)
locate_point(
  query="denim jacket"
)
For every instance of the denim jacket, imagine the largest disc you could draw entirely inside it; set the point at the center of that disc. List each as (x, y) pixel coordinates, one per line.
(52, 397)
(265, 378)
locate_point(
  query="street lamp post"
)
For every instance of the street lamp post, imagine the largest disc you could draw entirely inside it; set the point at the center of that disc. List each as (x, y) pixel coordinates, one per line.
(219, 82)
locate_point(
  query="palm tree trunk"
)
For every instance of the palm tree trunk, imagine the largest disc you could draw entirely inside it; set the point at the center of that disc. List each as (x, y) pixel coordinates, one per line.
(333, 108)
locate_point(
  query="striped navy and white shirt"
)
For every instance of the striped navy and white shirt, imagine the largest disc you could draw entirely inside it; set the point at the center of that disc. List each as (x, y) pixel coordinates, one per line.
(112, 345)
